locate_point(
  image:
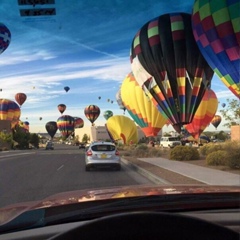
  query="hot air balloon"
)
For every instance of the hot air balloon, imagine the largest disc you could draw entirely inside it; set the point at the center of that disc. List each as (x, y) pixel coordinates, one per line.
(65, 124)
(168, 65)
(92, 112)
(223, 105)
(51, 128)
(142, 111)
(9, 110)
(79, 123)
(217, 33)
(122, 128)
(26, 125)
(20, 98)
(5, 37)
(107, 114)
(61, 108)
(119, 100)
(204, 114)
(66, 88)
(40, 118)
(99, 97)
(216, 121)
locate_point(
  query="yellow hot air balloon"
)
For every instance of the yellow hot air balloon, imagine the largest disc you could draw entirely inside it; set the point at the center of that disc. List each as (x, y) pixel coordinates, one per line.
(122, 128)
(141, 108)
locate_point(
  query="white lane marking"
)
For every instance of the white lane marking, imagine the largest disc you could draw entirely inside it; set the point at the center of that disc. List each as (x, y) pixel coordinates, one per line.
(60, 167)
(17, 154)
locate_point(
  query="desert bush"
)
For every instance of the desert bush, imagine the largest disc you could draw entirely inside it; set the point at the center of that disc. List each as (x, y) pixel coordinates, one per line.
(213, 147)
(142, 147)
(217, 158)
(233, 154)
(183, 153)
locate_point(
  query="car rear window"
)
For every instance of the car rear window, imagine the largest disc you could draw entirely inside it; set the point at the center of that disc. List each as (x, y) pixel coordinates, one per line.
(103, 147)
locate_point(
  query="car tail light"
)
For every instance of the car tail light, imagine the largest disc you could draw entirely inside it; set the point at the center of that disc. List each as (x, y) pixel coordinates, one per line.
(117, 153)
(89, 153)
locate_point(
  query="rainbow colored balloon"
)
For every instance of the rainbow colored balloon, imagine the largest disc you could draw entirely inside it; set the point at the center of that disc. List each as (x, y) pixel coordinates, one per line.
(141, 108)
(9, 110)
(204, 114)
(65, 124)
(217, 33)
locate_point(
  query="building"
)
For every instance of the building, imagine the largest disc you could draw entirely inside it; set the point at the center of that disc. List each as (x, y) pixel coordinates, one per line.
(235, 133)
(96, 133)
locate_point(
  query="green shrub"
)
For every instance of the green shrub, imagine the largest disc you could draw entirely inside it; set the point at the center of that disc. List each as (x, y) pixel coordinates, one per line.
(213, 147)
(203, 149)
(184, 153)
(142, 147)
(217, 158)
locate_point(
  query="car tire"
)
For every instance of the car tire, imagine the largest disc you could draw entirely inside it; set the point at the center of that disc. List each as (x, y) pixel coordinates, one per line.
(87, 168)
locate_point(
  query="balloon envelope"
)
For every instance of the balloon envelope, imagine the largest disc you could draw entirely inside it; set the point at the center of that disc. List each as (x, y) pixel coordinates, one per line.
(168, 65)
(107, 114)
(5, 37)
(20, 98)
(51, 128)
(204, 115)
(79, 123)
(216, 121)
(217, 33)
(65, 124)
(119, 100)
(92, 112)
(66, 88)
(61, 108)
(141, 108)
(9, 110)
(122, 128)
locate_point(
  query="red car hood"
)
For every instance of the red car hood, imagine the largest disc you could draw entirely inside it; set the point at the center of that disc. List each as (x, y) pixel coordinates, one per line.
(11, 211)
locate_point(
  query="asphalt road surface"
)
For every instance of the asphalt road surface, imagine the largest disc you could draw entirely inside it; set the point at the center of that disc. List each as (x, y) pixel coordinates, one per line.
(30, 175)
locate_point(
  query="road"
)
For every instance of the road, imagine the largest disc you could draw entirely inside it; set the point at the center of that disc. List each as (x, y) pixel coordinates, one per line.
(30, 175)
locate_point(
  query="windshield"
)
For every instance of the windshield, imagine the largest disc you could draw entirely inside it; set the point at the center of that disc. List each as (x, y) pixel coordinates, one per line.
(92, 92)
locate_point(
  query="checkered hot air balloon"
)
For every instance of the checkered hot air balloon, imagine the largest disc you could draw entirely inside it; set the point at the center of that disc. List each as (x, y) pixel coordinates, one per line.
(168, 65)
(216, 30)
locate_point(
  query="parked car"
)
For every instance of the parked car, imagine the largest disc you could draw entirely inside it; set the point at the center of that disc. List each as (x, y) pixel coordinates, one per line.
(170, 142)
(102, 154)
(49, 145)
(81, 145)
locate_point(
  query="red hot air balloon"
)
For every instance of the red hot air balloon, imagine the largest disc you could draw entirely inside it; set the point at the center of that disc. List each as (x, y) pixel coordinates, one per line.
(5, 37)
(92, 112)
(61, 108)
(79, 123)
(168, 65)
(20, 98)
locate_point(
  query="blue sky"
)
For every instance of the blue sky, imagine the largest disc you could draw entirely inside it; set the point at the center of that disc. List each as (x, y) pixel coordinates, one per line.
(84, 46)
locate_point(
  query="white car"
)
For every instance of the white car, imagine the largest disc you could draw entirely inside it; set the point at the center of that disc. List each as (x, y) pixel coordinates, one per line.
(102, 154)
(170, 142)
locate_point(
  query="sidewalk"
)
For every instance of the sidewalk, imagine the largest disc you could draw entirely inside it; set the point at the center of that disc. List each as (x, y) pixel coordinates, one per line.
(198, 173)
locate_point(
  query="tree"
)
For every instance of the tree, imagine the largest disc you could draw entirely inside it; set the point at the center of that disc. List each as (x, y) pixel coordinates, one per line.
(6, 139)
(85, 138)
(34, 140)
(21, 137)
(231, 112)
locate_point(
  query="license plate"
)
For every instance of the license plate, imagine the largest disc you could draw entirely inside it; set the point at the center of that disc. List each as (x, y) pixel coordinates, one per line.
(103, 155)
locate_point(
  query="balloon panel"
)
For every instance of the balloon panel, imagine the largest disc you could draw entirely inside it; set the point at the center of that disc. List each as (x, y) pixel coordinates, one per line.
(217, 33)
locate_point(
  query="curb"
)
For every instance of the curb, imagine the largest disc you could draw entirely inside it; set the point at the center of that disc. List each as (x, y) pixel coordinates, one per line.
(152, 177)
